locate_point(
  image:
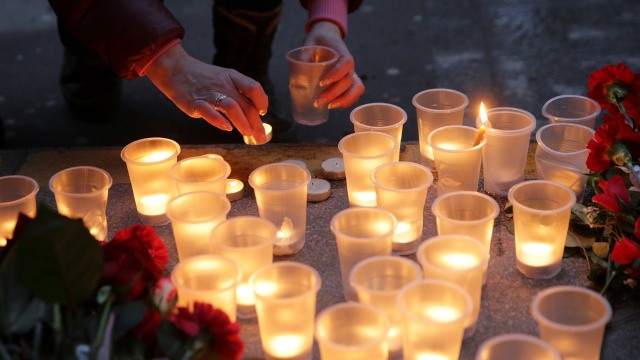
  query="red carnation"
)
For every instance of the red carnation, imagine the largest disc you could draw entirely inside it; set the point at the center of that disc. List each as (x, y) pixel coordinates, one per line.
(615, 191)
(625, 252)
(612, 84)
(157, 249)
(602, 146)
(223, 335)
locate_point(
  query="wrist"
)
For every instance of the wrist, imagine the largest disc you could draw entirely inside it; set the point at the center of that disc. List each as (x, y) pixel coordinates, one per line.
(326, 27)
(163, 59)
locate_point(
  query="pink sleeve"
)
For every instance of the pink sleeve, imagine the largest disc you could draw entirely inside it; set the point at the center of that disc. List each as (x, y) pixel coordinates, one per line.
(143, 64)
(328, 10)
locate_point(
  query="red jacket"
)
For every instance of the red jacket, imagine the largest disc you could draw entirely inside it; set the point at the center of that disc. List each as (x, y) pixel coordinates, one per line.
(126, 33)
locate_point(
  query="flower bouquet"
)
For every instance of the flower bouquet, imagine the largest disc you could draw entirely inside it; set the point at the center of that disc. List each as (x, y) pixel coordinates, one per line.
(64, 295)
(613, 212)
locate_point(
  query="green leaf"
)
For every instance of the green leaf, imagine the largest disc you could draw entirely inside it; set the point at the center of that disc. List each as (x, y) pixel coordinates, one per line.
(58, 259)
(577, 240)
(19, 309)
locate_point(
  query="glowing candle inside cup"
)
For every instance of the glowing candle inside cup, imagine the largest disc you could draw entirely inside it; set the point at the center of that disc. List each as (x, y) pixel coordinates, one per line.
(541, 212)
(148, 163)
(286, 294)
(483, 125)
(268, 130)
(17, 195)
(248, 240)
(235, 189)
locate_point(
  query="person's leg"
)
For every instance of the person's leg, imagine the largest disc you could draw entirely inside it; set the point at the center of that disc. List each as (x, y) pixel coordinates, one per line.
(243, 32)
(89, 87)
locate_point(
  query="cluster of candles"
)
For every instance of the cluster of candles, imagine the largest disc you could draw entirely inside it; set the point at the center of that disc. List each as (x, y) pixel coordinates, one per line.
(395, 305)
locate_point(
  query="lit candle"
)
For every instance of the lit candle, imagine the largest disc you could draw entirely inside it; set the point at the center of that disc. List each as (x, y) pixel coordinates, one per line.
(365, 198)
(537, 254)
(152, 205)
(481, 130)
(250, 140)
(284, 235)
(318, 190)
(287, 346)
(333, 169)
(235, 189)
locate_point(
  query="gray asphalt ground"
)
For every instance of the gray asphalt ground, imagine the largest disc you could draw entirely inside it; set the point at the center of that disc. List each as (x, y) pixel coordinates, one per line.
(503, 52)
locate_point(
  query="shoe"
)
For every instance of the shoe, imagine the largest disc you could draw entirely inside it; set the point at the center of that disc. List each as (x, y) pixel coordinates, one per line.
(91, 92)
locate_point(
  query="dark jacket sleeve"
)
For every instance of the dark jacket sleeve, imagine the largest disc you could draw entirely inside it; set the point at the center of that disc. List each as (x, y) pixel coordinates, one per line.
(122, 32)
(353, 4)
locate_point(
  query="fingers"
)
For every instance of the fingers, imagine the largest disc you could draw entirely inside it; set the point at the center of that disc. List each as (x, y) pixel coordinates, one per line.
(343, 93)
(253, 91)
(224, 109)
(212, 116)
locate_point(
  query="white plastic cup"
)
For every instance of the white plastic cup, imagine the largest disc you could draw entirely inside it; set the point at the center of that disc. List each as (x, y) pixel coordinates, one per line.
(307, 66)
(381, 117)
(516, 347)
(572, 319)
(17, 195)
(200, 173)
(573, 109)
(561, 155)
(81, 192)
(504, 156)
(436, 108)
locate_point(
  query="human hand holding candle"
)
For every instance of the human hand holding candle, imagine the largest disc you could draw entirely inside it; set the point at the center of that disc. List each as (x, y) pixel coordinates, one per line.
(483, 127)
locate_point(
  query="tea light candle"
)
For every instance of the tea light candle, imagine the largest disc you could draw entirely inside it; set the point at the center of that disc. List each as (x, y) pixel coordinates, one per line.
(536, 254)
(235, 189)
(153, 205)
(482, 129)
(318, 190)
(268, 130)
(333, 169)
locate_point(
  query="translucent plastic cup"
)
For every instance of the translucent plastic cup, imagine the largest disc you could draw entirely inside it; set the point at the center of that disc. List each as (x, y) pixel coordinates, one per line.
(148, 163)
(436, 108)
(200, 173)
(457, 160)
(466, 213)
(401, 188)
(561, 155)
(381, 117)
(286, 294)
(81, 192)
(516, 347)
(508, 133)
(209, 279)
(281, 195)
(377, 281)
(17, 195)
(460, 259)
(573, 109)
(362, 152)
(360, 234)
(193, 217)
(434, 313)
(541, 212)
(572, 319)
(307, 66)
(352, 331)
(247, 240)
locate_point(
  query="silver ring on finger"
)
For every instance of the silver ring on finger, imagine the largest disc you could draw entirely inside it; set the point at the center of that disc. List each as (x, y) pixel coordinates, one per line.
(217, 100)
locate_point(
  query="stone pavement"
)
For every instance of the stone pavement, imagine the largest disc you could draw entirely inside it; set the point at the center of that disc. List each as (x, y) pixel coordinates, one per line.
(505, 53)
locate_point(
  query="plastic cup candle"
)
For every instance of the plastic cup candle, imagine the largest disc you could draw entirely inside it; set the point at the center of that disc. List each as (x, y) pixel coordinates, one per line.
(248, 240)
(193, 216)
(541, 211)
(363, 152)
(561, 155)
(434, 313)
(460, 259)
(466, 213)
(457, 159)
(148, 163)
(377, 281)
(81, 192)
(508, 133)
(17, 195)
(574, 109)
(200, 173)
(281, 196)
(235, 189)
(352, 331)
(436, 108)
(381, 117)
(572, 319)
(527, 347)
(268, 130)
(209, 279)
(401, 188)
(360, 234)
(286, 294)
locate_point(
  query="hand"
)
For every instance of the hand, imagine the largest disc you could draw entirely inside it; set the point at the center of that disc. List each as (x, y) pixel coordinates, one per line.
(344, 87)
(197, 88)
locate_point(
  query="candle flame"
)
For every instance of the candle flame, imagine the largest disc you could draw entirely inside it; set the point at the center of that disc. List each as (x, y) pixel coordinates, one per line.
(483, 114)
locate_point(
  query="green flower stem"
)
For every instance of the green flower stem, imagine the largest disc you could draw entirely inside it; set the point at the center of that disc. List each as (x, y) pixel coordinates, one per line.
(610, 275)
(628, 118)
(103, 323)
